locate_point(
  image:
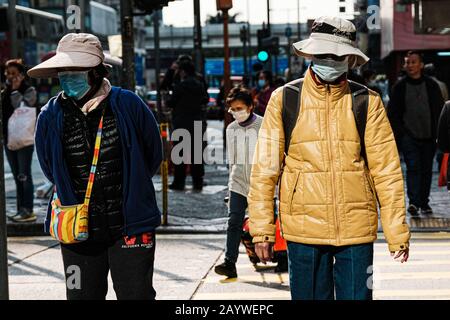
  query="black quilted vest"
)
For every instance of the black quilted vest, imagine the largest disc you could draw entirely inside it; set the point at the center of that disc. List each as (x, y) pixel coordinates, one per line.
(79, 133)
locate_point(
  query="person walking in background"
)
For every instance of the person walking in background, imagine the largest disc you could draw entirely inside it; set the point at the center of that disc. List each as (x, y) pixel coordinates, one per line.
(187, 101)
(265, 88)
(430, 70)
(332, 179)
(100, 145)
(414, 108)
(241, 140)
(443, 136)
(16, 94)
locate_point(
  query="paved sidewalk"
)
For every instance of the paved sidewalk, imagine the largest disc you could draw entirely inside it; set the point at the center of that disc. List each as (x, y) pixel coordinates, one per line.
(36, 269)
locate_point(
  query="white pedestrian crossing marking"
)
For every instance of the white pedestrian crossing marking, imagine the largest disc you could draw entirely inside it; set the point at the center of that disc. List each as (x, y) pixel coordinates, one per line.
(424, 276)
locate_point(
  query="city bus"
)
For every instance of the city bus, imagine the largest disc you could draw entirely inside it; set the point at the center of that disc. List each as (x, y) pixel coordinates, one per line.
(38, 33)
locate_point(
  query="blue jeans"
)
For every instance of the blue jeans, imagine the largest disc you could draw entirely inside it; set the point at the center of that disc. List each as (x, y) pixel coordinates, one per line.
(317, 272)
(418, 157)
(236, 213)
(20, 163)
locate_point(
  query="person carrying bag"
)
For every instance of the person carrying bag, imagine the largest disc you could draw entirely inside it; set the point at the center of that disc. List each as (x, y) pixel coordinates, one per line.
(69, 224)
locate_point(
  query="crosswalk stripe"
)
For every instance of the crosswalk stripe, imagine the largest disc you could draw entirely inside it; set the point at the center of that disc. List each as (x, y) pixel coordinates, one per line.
(261, 277)
(392, 263)
(284, 277)
(377, 263)
(417, 253)
(258, 295)
(412, 293)
(424, 235)
(410, 275)
(268, 295)
(420, 244)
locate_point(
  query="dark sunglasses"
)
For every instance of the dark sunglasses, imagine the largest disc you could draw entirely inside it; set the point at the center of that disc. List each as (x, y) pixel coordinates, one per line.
(330, 56)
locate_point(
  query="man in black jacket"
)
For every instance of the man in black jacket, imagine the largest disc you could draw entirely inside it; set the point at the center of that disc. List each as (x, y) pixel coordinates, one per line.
(187, 101)
(414, 108)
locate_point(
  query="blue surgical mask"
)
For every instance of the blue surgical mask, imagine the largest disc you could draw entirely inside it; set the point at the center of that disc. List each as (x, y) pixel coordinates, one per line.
(74, 83)
(328, 69)
(261, 83)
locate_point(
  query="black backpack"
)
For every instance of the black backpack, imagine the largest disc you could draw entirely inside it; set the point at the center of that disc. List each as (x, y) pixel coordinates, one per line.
(291, 108)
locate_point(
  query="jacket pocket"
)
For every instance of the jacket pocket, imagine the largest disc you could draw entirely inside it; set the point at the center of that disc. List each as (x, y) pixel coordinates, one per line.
(292, 191)
(372, 187)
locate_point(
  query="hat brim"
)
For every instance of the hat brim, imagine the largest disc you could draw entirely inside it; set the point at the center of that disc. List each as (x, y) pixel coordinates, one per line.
(50, 67)
(309, 47)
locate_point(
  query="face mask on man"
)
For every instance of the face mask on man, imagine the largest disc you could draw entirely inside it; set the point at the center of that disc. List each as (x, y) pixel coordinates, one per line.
(240, 116)
(74, 83)
(328, 69)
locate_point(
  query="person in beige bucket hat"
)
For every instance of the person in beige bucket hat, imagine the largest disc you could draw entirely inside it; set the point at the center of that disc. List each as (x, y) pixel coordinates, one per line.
(75, 50)
(332, 35)
(335, 164)
(88, 120)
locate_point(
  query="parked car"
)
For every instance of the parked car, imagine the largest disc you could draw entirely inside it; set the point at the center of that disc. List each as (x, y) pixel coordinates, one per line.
(213, 111)
(150, 99)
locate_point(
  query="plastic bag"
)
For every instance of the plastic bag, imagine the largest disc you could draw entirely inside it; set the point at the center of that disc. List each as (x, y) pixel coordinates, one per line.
(21, 127)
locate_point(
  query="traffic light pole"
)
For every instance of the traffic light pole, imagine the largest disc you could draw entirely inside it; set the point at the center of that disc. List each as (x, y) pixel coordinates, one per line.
(198, 38)
(12, 24)
(164, 127)
(126, 16)
(4, 290)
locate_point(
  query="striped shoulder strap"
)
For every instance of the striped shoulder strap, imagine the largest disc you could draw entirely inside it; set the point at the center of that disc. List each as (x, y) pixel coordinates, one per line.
(98, 141)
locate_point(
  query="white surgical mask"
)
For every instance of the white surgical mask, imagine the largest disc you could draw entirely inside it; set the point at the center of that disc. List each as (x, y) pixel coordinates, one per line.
(240, 116)
(328, 69)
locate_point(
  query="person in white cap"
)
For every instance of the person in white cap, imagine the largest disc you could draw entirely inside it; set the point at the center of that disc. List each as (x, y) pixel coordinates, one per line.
(123, 212)
(335, 161)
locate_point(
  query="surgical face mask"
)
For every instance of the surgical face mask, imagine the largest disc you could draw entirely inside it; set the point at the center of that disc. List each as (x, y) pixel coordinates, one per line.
(240, 116)
(328, 69)
(261, 83)
(74, 83)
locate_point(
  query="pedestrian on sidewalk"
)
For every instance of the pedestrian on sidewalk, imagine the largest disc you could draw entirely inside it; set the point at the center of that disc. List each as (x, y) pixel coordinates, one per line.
(443, 136)
(241, 140)
(91, 115)
(187, 103)
(414, 108)
(264, 90)
(331, 177)
(19, 93)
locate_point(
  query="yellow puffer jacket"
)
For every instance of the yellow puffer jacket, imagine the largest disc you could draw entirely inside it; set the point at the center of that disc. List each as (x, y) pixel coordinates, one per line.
(327, 194)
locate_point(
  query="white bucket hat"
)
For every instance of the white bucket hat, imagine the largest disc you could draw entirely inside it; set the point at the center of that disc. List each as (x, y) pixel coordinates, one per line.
(332, 35)
(75, 50)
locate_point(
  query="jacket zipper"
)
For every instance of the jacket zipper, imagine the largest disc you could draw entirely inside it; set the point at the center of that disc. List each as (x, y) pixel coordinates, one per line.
(336, 220)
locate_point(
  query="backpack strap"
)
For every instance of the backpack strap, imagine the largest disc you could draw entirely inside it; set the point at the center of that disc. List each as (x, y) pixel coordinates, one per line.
(291, 109)
(360, 104)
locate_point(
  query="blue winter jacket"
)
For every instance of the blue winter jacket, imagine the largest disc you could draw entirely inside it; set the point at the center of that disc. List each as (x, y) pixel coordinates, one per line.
(142, 155)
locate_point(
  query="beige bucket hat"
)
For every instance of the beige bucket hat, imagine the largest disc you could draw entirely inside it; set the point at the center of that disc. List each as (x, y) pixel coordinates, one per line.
(332, 35)
(75, 50)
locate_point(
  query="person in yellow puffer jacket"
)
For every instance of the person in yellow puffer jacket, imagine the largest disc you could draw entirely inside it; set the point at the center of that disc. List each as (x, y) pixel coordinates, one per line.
(329, 196)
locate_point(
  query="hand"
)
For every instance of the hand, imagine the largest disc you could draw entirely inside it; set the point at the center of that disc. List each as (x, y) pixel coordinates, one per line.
(264, 251)
(404, 253)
